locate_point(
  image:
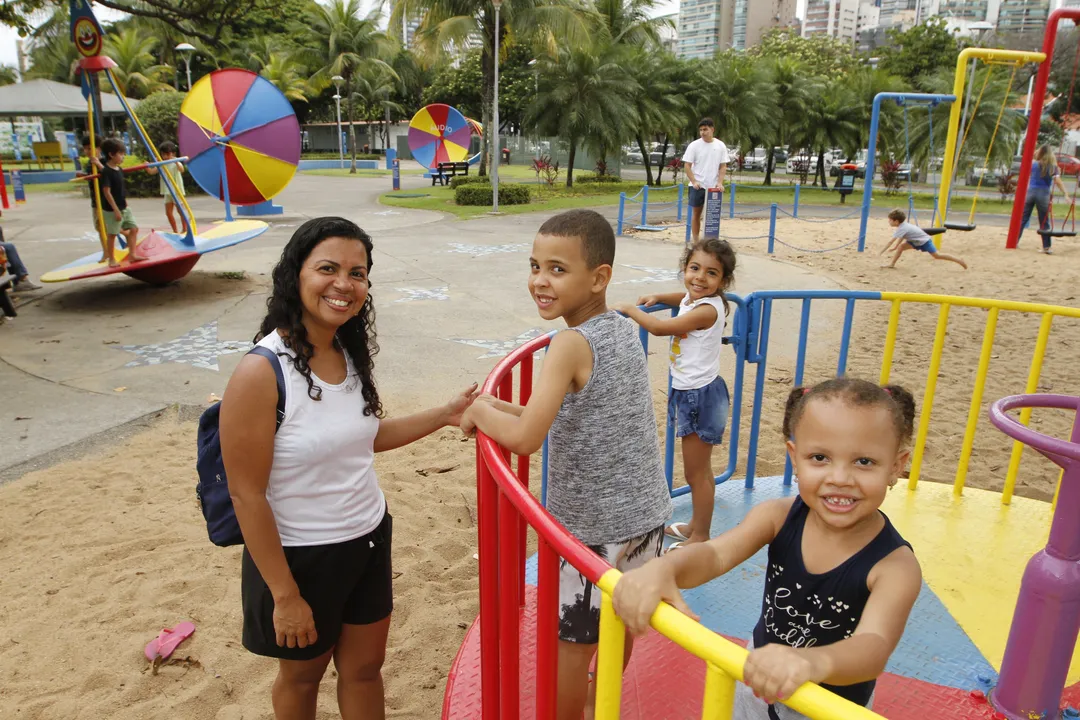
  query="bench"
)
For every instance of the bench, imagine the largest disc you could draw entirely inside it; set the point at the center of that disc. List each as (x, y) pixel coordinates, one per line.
(446, 170)
(48, 151)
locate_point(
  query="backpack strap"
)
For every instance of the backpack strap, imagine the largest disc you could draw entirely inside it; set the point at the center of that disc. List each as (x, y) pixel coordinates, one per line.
(275, 362)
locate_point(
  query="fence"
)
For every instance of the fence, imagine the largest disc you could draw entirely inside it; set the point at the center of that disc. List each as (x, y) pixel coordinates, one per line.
(505, 505)
(645, 198)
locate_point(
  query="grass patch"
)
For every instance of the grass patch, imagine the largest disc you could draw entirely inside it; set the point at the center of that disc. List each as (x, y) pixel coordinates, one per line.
(543, 198)
(360, 172)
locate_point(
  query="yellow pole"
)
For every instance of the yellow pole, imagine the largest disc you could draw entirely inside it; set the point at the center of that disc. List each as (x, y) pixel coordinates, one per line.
(719, 700)
(948, 162)
(928, 396)
(609, 661)
(1025, 414)
(890, 343)
(976, 401)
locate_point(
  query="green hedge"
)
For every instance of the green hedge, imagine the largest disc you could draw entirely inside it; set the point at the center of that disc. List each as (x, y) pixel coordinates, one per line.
(481, 194)
(594, 178)
(456, 182)
(142, 184)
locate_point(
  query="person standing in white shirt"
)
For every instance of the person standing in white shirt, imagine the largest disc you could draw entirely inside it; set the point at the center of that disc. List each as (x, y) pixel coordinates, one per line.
(706, 162)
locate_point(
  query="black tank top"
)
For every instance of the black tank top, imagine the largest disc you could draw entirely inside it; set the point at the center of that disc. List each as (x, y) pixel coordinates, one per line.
(804, 610)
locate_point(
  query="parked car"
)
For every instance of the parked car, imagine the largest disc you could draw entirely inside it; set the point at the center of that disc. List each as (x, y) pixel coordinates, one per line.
(1069, 164)
(990, 178)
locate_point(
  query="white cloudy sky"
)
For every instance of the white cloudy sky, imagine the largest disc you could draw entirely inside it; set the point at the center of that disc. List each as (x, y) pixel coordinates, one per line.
(8, 36)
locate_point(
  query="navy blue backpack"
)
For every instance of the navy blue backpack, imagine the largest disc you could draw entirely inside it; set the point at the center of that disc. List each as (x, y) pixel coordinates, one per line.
(213, 488)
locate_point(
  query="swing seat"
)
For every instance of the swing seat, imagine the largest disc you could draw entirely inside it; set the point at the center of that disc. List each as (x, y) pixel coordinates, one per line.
(933, 231)
(962, 227)
(1057, 233)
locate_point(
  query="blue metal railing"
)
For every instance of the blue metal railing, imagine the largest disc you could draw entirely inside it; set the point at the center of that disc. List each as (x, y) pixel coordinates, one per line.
(749, 338)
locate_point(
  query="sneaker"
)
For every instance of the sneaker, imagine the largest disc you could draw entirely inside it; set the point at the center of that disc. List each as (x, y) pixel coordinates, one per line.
(1048, 251)
(23, 284)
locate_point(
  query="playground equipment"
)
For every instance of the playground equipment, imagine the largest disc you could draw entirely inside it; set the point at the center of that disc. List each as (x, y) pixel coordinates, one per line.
(903, 99)
(992, 57)
(1047, 619)
(1038, 95)
(946, 664)
(440, 133)
(242, 136)
(170, 256)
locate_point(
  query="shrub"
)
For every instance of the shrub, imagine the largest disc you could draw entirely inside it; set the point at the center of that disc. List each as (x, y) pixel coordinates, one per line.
(159, 114)
(456, 182)
(142, 184)
(890, 176)
(481, 194)
(543, 166)
(1006, 186)
(591, 178)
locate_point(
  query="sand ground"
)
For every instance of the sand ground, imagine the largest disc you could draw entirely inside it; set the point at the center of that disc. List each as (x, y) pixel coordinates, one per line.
(103, 550)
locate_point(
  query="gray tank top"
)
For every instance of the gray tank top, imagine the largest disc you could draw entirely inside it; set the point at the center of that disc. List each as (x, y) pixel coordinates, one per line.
(605, 477)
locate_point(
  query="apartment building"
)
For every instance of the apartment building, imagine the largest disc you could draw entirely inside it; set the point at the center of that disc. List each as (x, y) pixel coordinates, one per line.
(834, 18)
(1022, 16)
(706, 26)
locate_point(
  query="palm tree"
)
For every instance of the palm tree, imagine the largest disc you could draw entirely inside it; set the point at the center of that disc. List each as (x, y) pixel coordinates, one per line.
(341, 42)
(447, 26)
(584, 98)
(792, 91)
(630, 22)
(373, 88)
(8, 75)
(281, 70)
(661, 104)
(737, 93)
(831, 120)
(137, 71)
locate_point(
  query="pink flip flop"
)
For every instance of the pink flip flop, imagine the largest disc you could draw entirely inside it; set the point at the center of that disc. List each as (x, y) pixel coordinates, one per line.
(167, 641)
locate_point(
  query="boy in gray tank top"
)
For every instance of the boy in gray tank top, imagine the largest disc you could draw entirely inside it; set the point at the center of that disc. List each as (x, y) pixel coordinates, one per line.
(593, 402)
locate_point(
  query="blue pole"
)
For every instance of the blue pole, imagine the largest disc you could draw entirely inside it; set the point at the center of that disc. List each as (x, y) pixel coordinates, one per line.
(772, 228)
(759, 392)
(644, 205)
(622, 210)
(795, 211)
(731, 201)
(845, 338)
(871, 149)
(800, 365)
(689, 218)
(678, 206)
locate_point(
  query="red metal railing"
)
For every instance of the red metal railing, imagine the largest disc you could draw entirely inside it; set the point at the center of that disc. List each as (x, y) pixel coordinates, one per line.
(504, 507)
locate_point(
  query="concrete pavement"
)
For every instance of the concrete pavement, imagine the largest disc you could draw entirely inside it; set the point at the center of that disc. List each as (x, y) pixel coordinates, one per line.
(88, 357)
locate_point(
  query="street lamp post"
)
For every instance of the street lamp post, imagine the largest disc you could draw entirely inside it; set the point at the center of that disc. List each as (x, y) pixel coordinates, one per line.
(337, 100)
(536, 93)
(186, 49)
(497, 154)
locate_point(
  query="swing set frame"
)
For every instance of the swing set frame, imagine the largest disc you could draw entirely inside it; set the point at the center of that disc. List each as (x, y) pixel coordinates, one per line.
(952, 136)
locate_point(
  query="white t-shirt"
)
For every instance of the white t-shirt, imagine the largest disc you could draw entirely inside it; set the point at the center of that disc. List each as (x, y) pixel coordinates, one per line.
(705, 160)
(912, 233)
(323, 488)
(695, 357)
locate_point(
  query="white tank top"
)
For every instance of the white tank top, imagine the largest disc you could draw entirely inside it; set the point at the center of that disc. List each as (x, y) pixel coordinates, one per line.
(322, 487)
(695, 357)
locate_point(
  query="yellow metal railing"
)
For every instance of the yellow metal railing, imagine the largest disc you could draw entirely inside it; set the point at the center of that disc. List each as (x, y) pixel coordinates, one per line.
(724, 665)
(994, 308)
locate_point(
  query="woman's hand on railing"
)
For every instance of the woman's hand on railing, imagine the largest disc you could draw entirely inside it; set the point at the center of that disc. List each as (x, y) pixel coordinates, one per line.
(639, 592)
(774, 672)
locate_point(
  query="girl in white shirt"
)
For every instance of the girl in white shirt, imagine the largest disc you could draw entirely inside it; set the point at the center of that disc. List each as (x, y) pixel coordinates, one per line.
(316, 573)
(699, 402)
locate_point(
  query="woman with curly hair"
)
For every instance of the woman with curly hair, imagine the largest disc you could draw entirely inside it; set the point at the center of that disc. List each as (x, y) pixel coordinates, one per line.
(316, 577)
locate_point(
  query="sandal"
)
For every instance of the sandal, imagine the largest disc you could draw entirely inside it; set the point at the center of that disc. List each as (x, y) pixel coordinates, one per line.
(673, 531)
(674, 546)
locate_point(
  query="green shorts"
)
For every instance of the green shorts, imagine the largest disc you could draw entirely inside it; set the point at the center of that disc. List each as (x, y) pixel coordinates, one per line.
(114, 226)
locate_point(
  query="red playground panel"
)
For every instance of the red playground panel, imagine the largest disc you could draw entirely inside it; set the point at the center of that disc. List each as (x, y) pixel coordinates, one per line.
(663, 681)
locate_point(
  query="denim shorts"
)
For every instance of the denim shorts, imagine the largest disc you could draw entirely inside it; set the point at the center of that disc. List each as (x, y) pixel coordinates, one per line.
(926, 247)
(696, 197)
(702, 411)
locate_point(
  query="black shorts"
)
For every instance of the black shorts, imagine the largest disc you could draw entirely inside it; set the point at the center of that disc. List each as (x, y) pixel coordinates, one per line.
(697, 197)
(345, 583)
